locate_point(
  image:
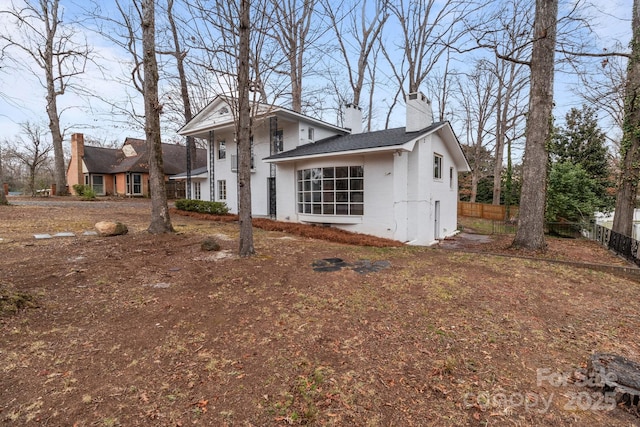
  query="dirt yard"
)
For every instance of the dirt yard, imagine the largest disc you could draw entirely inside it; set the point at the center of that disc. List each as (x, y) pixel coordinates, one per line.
(141, 330)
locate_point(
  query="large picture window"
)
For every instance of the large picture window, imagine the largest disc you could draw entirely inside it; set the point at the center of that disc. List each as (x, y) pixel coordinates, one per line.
(331, 190)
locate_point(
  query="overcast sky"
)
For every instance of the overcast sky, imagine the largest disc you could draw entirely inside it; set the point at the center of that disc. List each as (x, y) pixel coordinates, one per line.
(22, 96)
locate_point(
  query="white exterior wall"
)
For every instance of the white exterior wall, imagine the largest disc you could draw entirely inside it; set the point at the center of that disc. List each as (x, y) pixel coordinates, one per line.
(378, 218)
(294, 134)
(319, 133)
(443, 191)
(400, 195)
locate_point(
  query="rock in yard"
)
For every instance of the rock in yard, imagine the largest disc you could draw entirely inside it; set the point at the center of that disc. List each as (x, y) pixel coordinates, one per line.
(111, 228)
(210, 244)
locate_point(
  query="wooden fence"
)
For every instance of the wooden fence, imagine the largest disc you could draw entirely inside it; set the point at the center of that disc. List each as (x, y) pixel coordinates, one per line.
(486, 211)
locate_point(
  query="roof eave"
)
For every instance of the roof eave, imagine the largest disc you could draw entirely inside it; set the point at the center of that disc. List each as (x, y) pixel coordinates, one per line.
(392, 148)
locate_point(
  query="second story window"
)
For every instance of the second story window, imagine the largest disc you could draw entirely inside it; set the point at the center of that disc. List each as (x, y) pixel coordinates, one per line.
(278, 140)
(311, 134)
(437, 166)
(222, 150)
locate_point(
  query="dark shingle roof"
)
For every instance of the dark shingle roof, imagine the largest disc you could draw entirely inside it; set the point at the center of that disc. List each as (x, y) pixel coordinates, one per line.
(358, 141)
(113, 160)
(100, 160)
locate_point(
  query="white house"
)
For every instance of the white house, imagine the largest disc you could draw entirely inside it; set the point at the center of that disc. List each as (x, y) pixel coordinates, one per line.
(398, 183)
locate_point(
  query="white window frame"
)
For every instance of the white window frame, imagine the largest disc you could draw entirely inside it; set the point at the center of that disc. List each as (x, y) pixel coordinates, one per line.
(222, 150)
(222, 189)
(451, 180)
(437, 166)
(279, 140)
(331, 191)
(197, 190)
(311, 133)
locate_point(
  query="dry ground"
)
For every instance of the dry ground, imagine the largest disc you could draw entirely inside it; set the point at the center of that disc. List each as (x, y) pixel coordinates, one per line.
(141, 330)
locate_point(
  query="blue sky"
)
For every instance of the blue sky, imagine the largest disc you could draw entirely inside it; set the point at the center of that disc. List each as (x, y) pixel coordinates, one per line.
(22, 97)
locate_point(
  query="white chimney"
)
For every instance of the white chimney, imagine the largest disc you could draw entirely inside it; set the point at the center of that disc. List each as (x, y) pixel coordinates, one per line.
(419, 113)
(353, 118)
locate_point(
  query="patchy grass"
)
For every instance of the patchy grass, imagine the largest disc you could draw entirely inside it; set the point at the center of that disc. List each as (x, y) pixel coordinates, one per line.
(440, 338)
(12, 301)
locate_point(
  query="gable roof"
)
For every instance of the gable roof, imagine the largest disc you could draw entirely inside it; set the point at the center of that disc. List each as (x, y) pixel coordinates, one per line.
(99, 159)
(382, 140)
(114, 160)
(217, 114)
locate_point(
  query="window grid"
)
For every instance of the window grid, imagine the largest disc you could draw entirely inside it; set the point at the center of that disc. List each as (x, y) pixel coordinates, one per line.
(437, 166)
(222, 189)
(331, 190)
(279, 140)
(222, 150)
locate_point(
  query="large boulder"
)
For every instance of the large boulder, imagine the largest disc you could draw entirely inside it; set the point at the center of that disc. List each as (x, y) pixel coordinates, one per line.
(111, 228)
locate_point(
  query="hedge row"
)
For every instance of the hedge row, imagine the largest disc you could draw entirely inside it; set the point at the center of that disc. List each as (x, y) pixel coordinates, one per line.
(201, 206)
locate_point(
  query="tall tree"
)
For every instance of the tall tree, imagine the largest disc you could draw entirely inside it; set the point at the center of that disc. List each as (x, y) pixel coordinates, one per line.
(292, 24)
(506, 31)
(571, 195)
(160, 220)
(33, 151)
(477, 98)
(180, 54)
(357, 30)
(56, 57)
(581, 142)
(3, 196)
(244, 133)
(428, 30)
(530, 234)
(630, 146)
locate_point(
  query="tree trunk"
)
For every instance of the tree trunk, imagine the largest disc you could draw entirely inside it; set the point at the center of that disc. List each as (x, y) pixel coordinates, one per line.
(630, 146)
(244, 136)
(51, 26)
(184, 87)
(3, 196)
(530, 234)
(501, 125)
(160, 221)
(474, 186)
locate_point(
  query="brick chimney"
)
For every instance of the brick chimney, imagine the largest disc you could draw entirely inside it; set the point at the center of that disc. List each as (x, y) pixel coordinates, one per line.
(419, 113)
(76, 175)
(353, 118)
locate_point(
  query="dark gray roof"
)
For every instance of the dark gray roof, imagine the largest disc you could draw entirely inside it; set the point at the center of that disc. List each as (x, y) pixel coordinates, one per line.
(358, 141)
(99, 159)
(112, 160)
(194, 172)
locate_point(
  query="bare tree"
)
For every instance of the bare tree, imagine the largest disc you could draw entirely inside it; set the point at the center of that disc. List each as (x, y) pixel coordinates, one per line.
(630, 145)
(3, 196)
(179, 55)
(52, 45)
(33, 151)
(160, 220)
(357, 30)
(477, 98)
(530, 234)
(506, 32)
(291, 20)
(428, 31)
(244, 133)
(605, 88)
